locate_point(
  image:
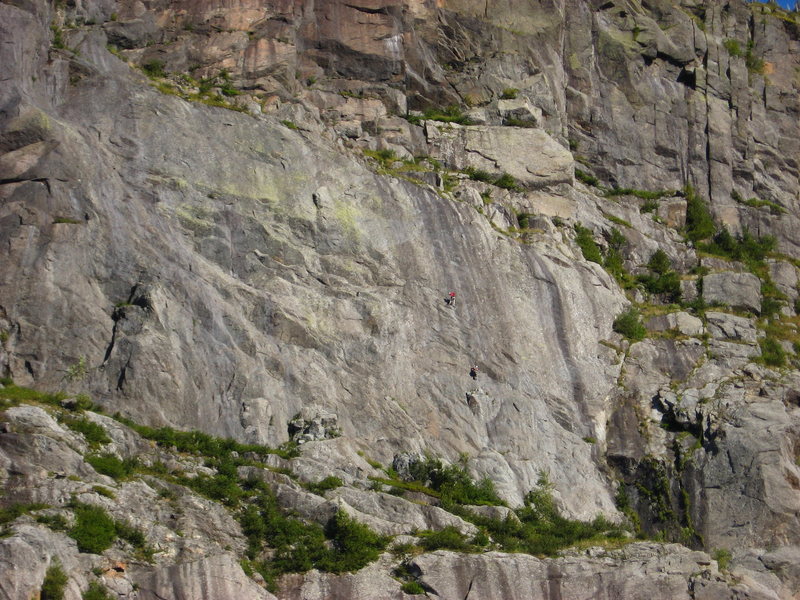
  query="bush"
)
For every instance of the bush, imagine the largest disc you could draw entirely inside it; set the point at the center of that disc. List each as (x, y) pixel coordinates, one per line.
(448, 538)
(662, 280)
(154, 68)
(453, 483)
(508, 182)
(10, 513)
(329, 483)
(54, 522)
(699, 223)
(479, 175)
(659, 262)
(93, 433)
(94, 530)
(629, 325)
(745, 247)
(772, 353)
(586, 178)
(354, 545)
(55, 580)
(509, 93)
(723, 558)
(412, 588)
(96, 591)
(586, 243)
(108, 464)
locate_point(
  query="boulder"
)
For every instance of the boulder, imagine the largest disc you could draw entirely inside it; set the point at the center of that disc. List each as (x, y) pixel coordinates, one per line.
(731, 327)
(737, 290)
(312, 424)
(680, 321)
(519, 110)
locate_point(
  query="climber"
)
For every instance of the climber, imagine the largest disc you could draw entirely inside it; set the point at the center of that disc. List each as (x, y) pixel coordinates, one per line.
(451, 299)
(473, 372)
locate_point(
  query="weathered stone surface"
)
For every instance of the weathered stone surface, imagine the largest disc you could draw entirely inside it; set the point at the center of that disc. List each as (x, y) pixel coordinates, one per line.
(391, 515)
(531, 156)
(454, 576)
(223, 271)
(737, 290)
(727, 326)
(209, 578)
(681, 321)
(520, 110)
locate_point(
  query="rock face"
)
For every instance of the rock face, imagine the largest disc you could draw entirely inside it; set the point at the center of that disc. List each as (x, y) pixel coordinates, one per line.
(737, 290)
(531, 156)
(277, 273)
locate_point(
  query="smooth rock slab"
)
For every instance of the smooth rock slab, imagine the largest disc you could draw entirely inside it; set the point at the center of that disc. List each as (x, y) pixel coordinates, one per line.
(737, 290)
(211, 578)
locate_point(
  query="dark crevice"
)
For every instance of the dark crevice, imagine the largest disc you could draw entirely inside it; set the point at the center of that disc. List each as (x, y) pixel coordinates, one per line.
(113, 339)
(469, 589)
(369, 11)
(122, 373)
(43, 180)
(29, 368)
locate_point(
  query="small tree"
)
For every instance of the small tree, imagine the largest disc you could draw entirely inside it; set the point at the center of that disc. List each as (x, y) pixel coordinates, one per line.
(629, 324)
(699, 223)
(55, 580)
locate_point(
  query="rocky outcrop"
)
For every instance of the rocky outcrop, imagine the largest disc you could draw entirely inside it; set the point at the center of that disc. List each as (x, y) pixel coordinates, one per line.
(276, 273)
(737, 290)
(530, 156)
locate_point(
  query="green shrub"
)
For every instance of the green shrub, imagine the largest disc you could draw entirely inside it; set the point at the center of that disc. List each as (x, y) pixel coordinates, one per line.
(289, 124)
(93, 433)
(154, 68)
(17, 394)
(662, 280)
(629, 325)
(448, 538)
(354, 545)
(329, 483)
(586, 178)
(772, 353)
(699, 223)
(744, 247)
(524, 123)
(108, 464)
(642, 194)
(104, 491)
(94, 530)
(508, 182)
(733, 48)
(55, 580)
(659, 262)
(451, 114)
(479, 175)
(10, 513)
(96, 591)
(412, 588)
(615, 264)
(586, 243)
(509, 93)
(649, 206)
(453, 484)
(723, 558)
(54, 522)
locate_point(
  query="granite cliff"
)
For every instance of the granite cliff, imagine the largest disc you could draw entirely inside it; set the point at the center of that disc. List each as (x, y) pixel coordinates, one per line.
(244, 217)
